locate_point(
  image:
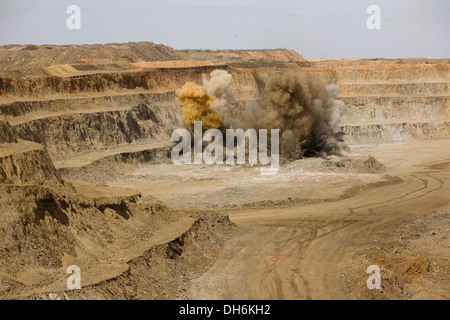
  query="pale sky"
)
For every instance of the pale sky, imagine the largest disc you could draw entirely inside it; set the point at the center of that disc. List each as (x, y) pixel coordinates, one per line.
(314, 28)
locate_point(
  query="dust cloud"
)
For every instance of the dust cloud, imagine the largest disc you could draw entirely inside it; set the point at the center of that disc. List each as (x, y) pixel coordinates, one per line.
(220, 87)
(305, 110)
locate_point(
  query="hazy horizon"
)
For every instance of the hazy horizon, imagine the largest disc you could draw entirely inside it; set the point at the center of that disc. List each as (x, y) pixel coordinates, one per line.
(315, 29)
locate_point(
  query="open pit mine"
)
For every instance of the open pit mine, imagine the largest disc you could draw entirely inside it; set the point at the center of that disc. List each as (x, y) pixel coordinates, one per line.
(87, 177)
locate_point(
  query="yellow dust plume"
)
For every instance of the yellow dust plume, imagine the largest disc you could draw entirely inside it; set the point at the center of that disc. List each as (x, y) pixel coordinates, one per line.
(197, 106)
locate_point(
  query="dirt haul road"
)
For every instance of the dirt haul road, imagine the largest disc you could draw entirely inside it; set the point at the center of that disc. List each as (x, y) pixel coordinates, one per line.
(306, 252)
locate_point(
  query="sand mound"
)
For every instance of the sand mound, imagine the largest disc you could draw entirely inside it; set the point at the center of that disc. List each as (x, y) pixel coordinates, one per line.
(355, 164)
(48, 224)
(413, 260)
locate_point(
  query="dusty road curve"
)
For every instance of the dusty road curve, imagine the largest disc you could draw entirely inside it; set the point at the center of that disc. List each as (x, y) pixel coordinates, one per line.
(302, 252)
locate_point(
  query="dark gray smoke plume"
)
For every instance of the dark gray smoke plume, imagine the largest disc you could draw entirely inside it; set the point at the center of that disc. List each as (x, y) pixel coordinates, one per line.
(305, 110)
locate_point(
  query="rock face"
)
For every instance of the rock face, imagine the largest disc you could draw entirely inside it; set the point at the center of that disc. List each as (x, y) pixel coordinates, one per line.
(27, 163)
(72, 134)
(387, 100)
(24, 162)
(47, 223)
(103, 104)
(6, 132)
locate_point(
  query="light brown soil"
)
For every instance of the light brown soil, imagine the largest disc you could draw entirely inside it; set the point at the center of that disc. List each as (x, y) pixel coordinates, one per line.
(321, 251)
(171, 64)
(86, 179)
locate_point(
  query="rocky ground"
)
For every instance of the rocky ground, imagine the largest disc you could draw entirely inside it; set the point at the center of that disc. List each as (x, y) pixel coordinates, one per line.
(86, 179)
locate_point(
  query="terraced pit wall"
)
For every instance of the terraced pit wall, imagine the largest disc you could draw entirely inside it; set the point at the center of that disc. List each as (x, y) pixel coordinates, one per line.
(114, 112)
(81, 114)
